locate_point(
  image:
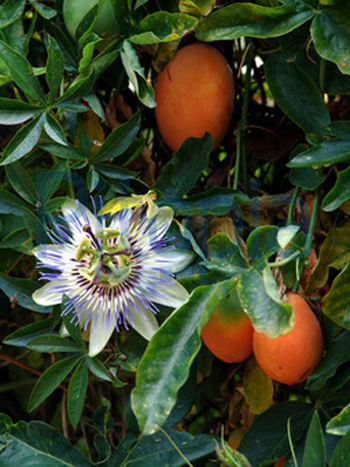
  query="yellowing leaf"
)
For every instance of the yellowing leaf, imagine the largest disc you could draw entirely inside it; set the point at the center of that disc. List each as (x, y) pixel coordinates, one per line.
(258, 387)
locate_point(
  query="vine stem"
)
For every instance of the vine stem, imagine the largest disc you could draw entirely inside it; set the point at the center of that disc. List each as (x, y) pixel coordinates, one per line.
(308, 241)
(241, 147)
(292, 205)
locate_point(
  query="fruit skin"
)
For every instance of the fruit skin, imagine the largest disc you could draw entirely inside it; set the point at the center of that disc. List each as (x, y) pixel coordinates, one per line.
(75, 10)
(291, 358)
(194, 94)
(229, 332)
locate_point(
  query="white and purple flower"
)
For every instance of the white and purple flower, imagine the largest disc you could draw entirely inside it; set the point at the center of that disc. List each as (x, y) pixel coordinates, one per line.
(112, 272)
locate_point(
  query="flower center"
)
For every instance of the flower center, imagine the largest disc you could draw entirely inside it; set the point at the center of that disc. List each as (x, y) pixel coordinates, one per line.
(105, 257)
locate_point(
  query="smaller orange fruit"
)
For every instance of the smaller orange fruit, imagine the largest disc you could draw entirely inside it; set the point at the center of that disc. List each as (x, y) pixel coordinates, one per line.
(228, 333)
(291, 358)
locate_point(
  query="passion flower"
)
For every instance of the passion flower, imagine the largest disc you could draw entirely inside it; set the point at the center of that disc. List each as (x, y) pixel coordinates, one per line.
(111, 270)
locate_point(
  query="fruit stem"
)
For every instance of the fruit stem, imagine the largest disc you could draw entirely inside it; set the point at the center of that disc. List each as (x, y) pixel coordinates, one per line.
(308, 240)
(291, 206)
(322, 74)
(241, 147)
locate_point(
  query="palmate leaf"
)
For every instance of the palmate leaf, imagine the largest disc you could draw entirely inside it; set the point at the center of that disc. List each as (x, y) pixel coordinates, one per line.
(23, 141)
(10, 11)
(13, 112)
(21, 72)
(76, 392)
(165, 365)
(54, 68)
(50, 379)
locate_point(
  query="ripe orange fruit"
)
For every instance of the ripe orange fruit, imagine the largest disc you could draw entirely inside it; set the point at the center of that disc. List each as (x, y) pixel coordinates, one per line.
(292, 357)
(229, 332)
(194, 94)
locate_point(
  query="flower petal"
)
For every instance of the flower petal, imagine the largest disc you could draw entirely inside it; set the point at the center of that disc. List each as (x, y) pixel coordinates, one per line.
(47, 296)
(76, 214)
(144, 323)
(100, 333)
(172, 260)
(172, 295)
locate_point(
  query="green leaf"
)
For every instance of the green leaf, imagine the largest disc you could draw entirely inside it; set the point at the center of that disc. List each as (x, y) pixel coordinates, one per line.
(334, 252)
(14, 111)
(340, 128)
(73, 328)
(119, 140)
(10, 11)
(307, 178)
(54, 68)
(50, 180)
(340, 424)
(43, 10)
(286, 234)
(11, 204)
(21, 182)
(259, 298)
(324, 154)
(22, 336)
(226, 257)
(76, 392)
(330, 33)
(166, 362)
(23, 142)
(99, 370)
(14, 239)
(92, 179)
(296, 93)
(52, 344)
(336, 304)
(49, 380)
(65, 152)
(54, 130)
(250, 20)
(339, 193)
(262, 244)
(181, 173)
(158, 450)
(114, 173)
(337, 354)
(21, 72)
(215, 201)
(340, 455)
(21, 290)
(163, 26)
(315, 448)
(266, 440)
(136, 75)
(37, 444)
(196, 7)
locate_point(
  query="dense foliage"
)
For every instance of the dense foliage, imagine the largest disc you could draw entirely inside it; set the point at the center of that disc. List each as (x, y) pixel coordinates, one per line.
(77, 122)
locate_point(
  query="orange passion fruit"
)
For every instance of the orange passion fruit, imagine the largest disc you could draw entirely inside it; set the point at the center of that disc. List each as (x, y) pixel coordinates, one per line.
(228, 333)
(194, 95)
(291, 358)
